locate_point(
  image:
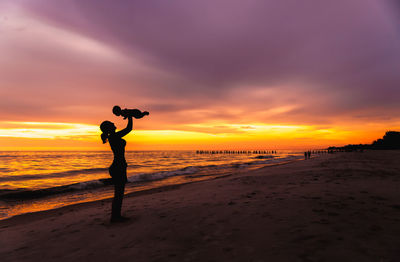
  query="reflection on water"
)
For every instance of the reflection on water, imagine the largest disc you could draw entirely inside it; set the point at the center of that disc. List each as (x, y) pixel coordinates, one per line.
(25, 174)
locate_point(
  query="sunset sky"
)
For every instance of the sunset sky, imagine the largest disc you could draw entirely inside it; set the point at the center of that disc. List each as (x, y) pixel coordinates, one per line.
(213, 74)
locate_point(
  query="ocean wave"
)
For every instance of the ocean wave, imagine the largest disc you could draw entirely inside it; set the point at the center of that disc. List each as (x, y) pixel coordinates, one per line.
(264, 157)
(53, 175)
(80, 171)
(19, 178)
(93, 184)
(29, 194)
(85, 171)
(135, 178)
(6, 156)
(145, 177)
(267, 160)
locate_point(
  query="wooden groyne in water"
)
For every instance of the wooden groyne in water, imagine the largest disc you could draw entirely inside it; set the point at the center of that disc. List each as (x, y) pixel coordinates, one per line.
(259, 152)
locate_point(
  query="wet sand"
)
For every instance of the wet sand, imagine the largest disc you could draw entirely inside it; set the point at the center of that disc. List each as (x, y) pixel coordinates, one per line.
(340, 207)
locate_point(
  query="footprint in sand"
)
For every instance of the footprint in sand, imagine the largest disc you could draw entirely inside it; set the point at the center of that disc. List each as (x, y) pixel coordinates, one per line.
(332, 214)
(303, 238)
(375, 228)
(396, 207)
(379, 198)
(318, 210)
(20, 248)
(322, 221)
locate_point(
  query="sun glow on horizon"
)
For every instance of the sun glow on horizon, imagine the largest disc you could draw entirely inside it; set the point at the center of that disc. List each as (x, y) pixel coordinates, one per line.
(78, 136)
(47, 130)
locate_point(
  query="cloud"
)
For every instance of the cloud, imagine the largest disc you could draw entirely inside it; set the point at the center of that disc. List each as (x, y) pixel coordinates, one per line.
(189, 62)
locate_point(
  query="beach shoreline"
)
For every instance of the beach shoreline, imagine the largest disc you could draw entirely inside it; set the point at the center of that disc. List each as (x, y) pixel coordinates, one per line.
(19, 201)
(343, 206)
(26, 216)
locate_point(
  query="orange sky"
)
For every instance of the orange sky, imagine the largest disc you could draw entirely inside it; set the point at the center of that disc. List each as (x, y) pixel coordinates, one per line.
(66, 136)
(322, 75)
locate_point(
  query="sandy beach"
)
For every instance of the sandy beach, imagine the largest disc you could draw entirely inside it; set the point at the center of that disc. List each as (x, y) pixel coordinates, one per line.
(336, 207)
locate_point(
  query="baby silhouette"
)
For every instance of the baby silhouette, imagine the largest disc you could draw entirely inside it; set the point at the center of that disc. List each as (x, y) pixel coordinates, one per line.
(136, 113)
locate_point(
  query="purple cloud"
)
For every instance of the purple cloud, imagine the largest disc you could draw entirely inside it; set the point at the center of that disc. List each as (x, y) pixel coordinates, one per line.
(326, 58)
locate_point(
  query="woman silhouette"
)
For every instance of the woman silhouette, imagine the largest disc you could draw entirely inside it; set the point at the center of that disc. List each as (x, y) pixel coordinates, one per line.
(118, 166)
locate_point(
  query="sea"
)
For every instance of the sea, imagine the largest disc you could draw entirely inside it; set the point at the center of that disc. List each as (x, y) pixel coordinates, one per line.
(38, 181)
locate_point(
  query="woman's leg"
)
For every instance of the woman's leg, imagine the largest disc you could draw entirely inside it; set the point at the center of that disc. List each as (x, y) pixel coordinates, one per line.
(119, 189)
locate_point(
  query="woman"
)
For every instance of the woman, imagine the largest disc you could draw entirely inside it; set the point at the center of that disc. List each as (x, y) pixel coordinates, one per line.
(118, 166)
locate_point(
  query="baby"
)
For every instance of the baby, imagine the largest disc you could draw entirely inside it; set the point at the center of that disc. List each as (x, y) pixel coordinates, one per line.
(136, 113)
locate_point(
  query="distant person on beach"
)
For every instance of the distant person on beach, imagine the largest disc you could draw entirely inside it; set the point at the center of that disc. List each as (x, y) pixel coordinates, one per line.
(118, 167)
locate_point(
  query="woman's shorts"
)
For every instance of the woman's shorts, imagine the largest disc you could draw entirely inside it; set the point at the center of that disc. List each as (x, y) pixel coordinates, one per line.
(118, 173)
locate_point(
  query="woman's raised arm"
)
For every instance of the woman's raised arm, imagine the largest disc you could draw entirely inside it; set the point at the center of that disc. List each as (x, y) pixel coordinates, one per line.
(127, 129)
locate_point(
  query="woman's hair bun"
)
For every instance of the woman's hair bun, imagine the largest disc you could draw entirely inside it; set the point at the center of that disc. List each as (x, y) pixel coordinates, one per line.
(105, 127)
